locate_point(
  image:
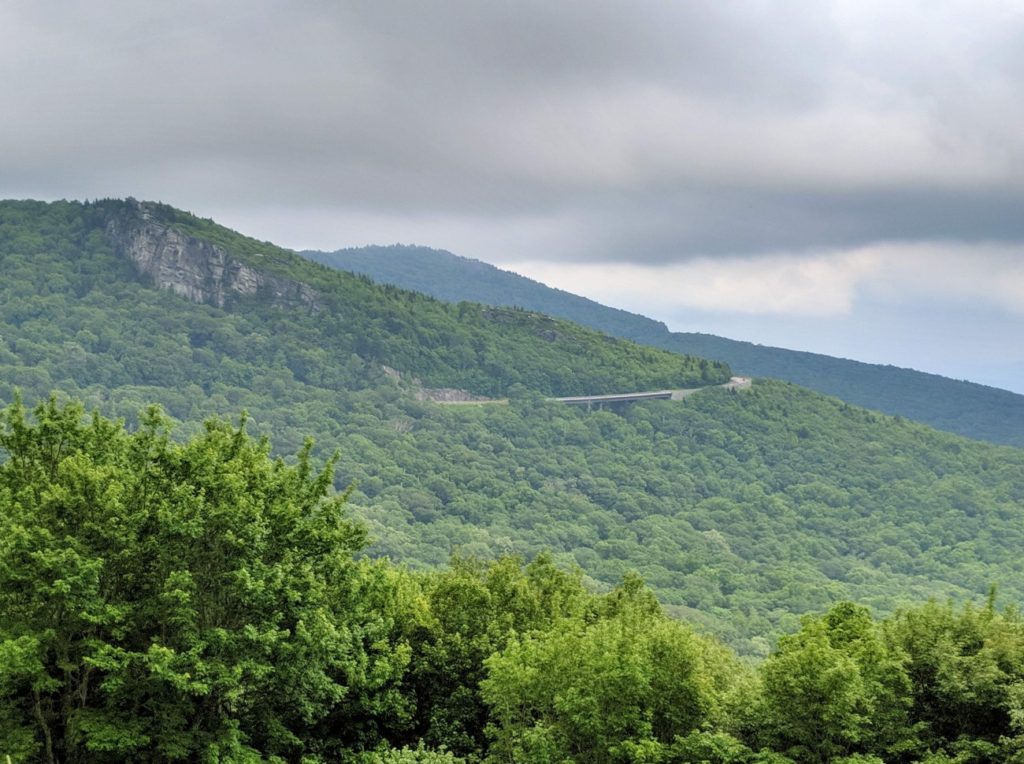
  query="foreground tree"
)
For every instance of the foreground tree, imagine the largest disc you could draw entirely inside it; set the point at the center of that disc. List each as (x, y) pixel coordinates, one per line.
(836, 688)
(967, 670)
(165, 602)
(621, 688)
(476, 608)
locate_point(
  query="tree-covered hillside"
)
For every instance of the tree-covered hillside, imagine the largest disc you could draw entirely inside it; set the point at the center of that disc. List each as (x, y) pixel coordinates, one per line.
(961, 407)
(742, 509)
(201, 601)
(74, 314)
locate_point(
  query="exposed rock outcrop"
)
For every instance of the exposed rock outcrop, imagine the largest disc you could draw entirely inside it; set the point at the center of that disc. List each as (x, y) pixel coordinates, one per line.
(198, 270)
(448, 395)
(435, 394)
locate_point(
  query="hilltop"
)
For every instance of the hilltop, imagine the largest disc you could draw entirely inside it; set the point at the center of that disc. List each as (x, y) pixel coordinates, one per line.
(961, 407)
(281, 309)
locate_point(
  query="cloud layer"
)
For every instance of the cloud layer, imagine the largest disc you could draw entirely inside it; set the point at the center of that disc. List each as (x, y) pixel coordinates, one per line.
(636, 132)
(813, 285)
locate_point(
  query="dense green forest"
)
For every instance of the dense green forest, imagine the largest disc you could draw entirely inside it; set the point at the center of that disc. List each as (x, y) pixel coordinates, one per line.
(741, 510)
(957, 406)
(201, 601)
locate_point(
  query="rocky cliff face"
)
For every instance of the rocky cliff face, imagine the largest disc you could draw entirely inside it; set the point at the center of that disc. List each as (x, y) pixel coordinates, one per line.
(198, 270)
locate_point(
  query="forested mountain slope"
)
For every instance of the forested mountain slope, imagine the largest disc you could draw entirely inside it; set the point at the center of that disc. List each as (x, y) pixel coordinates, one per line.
(742, 509)
(965, 408)
(72, 265)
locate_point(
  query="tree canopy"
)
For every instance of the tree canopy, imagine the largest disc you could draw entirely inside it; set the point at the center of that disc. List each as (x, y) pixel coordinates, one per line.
(164, 601)
(203, 601)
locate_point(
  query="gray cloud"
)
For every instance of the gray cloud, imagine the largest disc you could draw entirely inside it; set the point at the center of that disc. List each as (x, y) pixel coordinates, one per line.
(642, 131)
(742, 222)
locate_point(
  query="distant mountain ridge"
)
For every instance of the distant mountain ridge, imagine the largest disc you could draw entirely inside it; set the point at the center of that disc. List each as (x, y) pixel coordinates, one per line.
(965, 408)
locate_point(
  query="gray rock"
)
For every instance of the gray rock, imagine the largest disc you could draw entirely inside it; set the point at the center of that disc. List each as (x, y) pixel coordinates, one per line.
(198, 270)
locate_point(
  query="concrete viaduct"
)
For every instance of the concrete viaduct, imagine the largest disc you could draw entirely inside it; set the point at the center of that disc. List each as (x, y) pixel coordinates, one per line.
(590, 401)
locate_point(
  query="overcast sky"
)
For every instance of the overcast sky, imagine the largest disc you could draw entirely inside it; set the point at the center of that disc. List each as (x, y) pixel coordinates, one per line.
(845, 176)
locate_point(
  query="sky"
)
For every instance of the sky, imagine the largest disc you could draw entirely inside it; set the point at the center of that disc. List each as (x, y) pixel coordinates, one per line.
(842, 176)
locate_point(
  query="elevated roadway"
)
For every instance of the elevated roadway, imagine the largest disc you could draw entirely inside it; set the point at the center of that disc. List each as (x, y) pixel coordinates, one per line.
(736, 383)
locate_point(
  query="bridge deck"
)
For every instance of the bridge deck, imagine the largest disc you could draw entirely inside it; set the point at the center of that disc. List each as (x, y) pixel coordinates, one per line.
(618, 397)
(736, 383)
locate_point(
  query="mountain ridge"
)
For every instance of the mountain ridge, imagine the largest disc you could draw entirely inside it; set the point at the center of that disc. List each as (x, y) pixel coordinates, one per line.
(959, 406)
